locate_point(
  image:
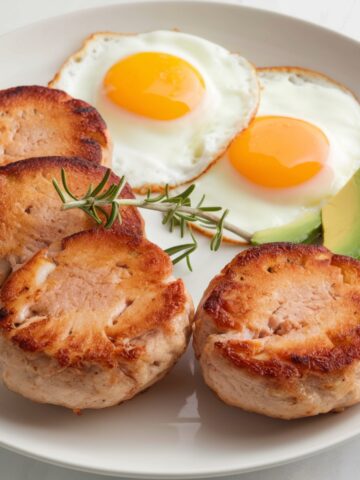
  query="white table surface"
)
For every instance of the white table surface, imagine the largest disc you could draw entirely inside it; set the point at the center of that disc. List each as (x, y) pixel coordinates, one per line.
(341, 463)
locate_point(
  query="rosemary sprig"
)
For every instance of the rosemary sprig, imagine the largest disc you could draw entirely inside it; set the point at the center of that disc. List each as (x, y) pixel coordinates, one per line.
(187, 249)
(177, 211)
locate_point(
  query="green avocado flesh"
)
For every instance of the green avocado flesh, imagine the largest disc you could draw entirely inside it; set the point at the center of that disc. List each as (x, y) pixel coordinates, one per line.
(341, 219)
(304, 229)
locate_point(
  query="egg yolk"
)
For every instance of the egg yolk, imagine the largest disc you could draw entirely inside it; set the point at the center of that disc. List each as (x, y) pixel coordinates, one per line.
(155, 85)
(279, 152)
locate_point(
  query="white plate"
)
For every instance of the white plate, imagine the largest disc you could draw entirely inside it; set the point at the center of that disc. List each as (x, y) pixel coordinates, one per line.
(178, 428)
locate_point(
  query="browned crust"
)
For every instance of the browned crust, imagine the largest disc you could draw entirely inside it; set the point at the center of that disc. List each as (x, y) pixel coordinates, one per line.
(266, 368)
(91, 142)
(156, 188)
(75, 163)
(149, 269)
(132, 221)
(345, 350)
(318, 355)
(102, 236)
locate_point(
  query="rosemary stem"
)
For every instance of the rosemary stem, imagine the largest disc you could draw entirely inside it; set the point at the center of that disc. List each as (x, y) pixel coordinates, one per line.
(164, 207)
(75, 204)
(177, 212)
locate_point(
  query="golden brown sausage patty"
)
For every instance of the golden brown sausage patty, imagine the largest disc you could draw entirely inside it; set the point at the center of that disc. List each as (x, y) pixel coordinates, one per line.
(278, 331)
(38, 121)
(92, 322)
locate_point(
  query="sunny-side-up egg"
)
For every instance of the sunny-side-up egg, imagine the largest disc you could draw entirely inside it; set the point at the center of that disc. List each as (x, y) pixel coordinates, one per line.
(301, 148)
(172, 101)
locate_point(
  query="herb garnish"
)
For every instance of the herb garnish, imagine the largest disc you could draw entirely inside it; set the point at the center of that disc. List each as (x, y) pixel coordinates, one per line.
(177, 210)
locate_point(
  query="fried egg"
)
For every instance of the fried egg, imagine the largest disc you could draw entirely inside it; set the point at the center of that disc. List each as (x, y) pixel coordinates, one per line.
(172, 101)
(301, 148)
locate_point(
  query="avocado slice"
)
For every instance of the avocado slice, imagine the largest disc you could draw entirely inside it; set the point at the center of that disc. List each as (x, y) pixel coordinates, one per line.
(304, 229)
(341, 219)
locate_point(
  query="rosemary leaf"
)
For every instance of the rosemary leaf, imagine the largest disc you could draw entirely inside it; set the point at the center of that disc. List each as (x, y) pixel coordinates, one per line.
(178, 248)
(91, 214)
(210, 209)
(58, 189)
(107, 193)
(184, 255)
(188, 263)
(88, 193)
(201, 201)
(113, 215)
(65, 185)
(157, 199)
(186, 193)
(118, 189)
(95, 214)
(102, 184)
(104, 212)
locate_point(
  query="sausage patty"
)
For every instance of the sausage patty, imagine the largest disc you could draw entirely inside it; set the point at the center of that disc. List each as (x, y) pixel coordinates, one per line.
(38, 121)
(93, 321)
(278, 331)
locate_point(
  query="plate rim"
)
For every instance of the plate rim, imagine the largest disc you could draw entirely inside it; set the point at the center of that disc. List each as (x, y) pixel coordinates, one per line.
(78, 466)
(233, 3)
(164, 476)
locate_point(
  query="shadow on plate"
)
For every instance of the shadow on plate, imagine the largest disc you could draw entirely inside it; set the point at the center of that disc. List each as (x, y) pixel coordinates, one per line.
(160, 407)
(236, 429)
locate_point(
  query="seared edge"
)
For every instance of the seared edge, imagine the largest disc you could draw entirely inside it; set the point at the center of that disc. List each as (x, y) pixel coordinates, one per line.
(126, 353)
(308, 372)
(92, 142)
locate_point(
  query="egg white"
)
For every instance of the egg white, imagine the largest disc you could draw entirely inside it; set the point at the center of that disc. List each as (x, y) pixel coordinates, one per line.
(158, 152)
(303, 95)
